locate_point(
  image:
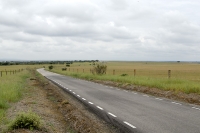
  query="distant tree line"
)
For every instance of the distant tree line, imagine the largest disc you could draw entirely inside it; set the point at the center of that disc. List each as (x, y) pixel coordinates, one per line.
(6, 63)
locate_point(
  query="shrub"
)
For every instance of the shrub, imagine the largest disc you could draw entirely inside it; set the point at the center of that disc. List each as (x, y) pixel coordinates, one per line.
(99, 69)
(124, 74)
(27, 120)
(50, 67)
(64, 69)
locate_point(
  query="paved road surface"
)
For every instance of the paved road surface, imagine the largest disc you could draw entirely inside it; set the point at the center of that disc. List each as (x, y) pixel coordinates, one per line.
(136, 111)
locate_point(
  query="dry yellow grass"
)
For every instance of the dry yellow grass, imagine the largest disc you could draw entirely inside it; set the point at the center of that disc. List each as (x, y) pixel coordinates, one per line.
(186, 71)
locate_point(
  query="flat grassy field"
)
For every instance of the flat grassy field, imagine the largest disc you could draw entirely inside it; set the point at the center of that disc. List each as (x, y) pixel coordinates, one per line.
(184, 76)
(11, 87)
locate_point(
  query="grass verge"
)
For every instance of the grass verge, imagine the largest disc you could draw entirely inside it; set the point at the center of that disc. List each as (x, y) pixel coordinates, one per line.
(11, 88)
(173, 84)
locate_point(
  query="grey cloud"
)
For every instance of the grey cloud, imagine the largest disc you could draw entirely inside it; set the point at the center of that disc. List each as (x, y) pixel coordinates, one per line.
(107, 29)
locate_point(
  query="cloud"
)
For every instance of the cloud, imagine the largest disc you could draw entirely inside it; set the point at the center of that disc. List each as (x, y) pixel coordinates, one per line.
(106, 29)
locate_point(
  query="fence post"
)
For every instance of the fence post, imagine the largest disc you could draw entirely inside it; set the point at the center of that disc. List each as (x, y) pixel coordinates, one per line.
(69, 69)
(169, 74)
(134, 72)
(113, 72)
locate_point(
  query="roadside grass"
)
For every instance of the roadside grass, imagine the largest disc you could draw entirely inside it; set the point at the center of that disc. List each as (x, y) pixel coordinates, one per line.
(11, 89)
(185, 76)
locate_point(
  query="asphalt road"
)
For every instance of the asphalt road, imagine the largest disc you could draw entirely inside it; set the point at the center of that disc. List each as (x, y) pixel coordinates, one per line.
(132, 111)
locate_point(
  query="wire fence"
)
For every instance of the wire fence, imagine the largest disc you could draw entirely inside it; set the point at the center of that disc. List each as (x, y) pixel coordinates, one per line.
(180, 74)
(9, 72)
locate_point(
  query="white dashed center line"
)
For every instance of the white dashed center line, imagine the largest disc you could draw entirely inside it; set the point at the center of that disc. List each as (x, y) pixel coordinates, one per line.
(129, 124)
(145, 95)
(90, 103)
(176, 103)
(78, 95)
(84, 99)
(159, 99)
(196, 108)
(112, 114)
(100, 108)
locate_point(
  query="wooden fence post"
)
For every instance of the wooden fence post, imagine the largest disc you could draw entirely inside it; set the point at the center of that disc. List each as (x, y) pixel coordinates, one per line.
(134, 72)
(113, 72)
(169, 74)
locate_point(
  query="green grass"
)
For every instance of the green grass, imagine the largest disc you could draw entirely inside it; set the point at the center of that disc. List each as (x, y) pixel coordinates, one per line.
(185, 77)
(27, 120)
(11, 88)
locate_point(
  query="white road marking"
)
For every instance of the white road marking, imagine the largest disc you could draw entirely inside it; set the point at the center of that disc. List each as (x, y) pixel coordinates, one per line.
(159, 99)
(70, 90)
(125, 91)
(129, 124)
(196, 108)
(84, 99)
(90, 103)
(145, 95)
(100, 108)
(74, 92)
(112, 114)
(176, 103)
(78, 95)
(134, 93)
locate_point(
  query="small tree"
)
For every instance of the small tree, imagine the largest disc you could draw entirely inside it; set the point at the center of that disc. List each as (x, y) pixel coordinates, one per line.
(99, 69)
(50, 67)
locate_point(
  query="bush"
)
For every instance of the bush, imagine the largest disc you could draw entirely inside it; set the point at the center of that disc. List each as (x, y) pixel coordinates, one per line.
(26, 120)
(50, 67)
(64, 69)
(99, 69)
(124, 74)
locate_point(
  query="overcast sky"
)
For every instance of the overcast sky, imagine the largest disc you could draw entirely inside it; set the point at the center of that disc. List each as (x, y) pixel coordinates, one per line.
(133, 30)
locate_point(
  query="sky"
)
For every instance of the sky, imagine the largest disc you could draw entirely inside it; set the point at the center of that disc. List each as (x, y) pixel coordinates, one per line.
(129, 30)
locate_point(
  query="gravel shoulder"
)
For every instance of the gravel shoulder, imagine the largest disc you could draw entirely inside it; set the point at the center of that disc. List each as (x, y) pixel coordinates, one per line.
(59, 112)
